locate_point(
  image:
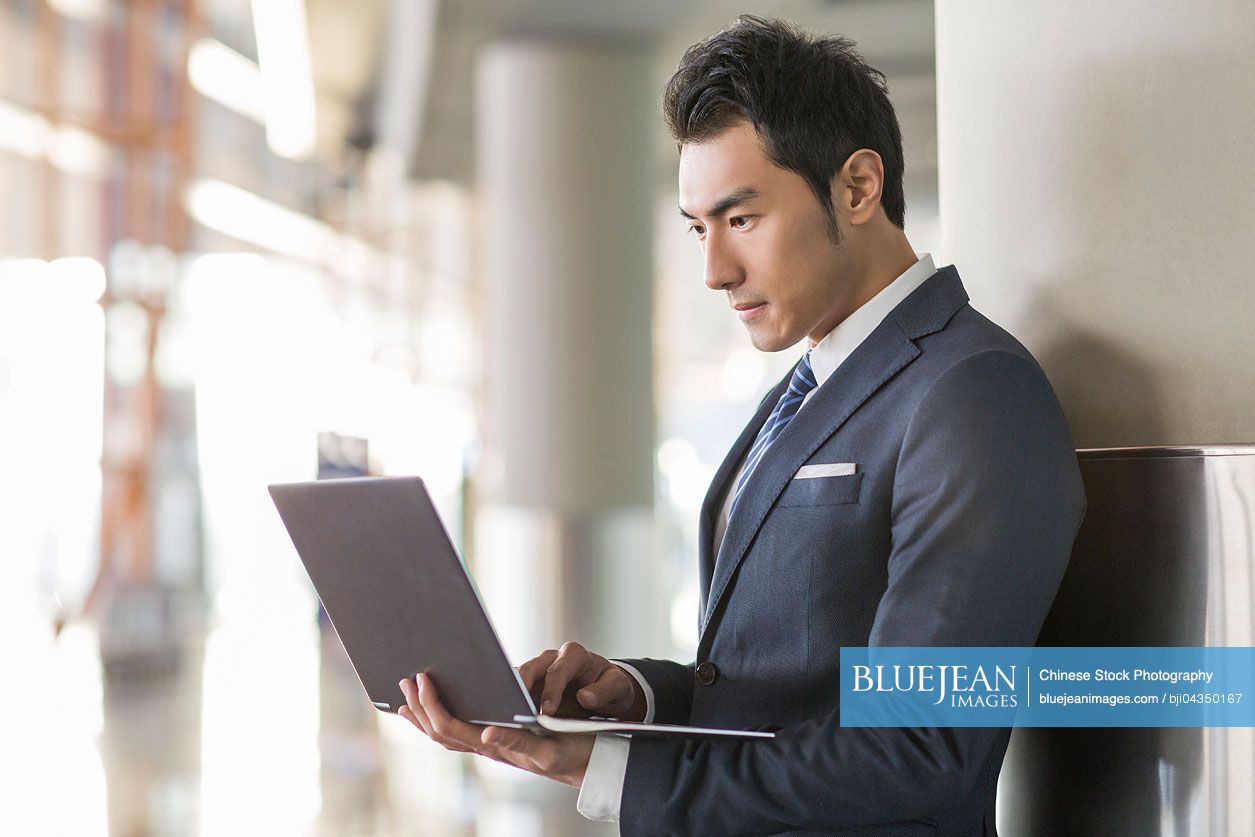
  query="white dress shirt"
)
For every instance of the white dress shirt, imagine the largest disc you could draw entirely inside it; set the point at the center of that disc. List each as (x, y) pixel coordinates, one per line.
(602, 789)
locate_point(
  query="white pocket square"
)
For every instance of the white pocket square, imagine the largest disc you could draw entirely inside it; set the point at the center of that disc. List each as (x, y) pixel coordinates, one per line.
(828, 469)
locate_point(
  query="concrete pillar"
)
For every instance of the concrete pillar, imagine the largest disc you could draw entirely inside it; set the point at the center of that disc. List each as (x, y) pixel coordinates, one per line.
(564, 132)
(1095, 171)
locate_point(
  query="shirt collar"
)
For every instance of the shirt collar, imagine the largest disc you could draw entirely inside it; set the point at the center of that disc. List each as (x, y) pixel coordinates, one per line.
(837, 345)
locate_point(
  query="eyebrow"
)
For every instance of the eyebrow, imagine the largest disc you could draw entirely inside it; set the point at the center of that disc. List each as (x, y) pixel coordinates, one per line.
(727, 202)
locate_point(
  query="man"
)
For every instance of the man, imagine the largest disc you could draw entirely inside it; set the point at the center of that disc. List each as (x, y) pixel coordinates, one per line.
(910, 483)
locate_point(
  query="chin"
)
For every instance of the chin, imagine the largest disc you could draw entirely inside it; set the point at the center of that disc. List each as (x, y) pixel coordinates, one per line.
(769, 343)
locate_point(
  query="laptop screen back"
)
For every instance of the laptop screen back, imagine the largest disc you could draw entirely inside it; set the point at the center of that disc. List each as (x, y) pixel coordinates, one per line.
(398, 594)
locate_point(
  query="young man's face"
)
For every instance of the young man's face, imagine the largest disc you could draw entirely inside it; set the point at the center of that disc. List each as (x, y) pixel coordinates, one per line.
(765, 239)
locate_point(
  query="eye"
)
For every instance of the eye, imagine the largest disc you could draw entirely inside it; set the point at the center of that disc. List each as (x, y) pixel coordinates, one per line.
(696, 229)
(739, 222)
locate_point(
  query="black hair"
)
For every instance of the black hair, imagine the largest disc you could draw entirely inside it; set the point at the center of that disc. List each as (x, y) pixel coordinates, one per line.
(813, 100)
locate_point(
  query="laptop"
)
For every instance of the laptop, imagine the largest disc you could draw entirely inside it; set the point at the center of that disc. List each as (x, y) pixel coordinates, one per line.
(402, 601)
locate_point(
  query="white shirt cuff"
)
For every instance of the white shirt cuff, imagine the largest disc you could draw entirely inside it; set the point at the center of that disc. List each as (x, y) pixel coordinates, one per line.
(649, 693)
(602, 789)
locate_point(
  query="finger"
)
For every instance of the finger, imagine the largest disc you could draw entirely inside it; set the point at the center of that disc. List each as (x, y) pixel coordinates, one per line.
(446, 729)
(414, 709)
(571, 663)
(611, 693)
(405, 713)
(532, 673)
(416, 715)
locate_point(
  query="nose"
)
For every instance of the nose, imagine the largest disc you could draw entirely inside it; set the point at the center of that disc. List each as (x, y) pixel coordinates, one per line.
(722, 269)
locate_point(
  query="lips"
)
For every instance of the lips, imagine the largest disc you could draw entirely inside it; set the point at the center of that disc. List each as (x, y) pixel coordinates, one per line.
(748, 311)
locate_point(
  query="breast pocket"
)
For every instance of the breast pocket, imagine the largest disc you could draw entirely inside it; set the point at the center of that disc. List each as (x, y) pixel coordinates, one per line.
(821, 491)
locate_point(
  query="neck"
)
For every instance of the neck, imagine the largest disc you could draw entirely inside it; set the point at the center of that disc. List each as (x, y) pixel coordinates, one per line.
(884, 255)
(888, 255)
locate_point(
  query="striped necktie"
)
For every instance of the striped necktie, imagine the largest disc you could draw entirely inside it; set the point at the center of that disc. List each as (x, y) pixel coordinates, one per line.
(802, 382)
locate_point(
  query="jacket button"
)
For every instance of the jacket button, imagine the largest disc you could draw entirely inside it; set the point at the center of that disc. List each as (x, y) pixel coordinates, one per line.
(706, 673)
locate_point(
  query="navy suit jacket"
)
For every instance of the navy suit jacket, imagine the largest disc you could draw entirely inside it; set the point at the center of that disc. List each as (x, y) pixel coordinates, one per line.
(955, 530)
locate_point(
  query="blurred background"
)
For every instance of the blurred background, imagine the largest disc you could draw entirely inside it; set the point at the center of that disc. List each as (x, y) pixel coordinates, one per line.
(252, 242)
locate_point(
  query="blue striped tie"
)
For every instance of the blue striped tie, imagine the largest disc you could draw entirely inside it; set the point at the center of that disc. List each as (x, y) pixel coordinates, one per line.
(802, 382)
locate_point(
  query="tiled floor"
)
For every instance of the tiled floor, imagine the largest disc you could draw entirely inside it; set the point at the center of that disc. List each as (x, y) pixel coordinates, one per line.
(243, 729)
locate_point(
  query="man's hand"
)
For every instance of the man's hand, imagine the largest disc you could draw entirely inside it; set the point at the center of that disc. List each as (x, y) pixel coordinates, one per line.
(563, 758)
(575, 682)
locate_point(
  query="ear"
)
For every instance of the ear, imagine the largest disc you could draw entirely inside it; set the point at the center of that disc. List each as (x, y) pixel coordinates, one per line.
(856, 188)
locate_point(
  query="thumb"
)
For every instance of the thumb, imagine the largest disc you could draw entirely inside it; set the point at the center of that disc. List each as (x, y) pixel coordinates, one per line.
(611, 693)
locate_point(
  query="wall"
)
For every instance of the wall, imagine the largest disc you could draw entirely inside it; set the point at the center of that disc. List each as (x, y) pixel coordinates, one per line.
(1096, 173)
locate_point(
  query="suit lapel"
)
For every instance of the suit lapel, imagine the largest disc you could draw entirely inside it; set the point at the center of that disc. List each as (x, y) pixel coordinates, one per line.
(717, 493)
(888, 350)
(880, 357)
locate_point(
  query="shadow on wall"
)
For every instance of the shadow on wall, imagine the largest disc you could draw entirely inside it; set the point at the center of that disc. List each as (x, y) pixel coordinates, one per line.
(1142, 318)
(1111, 396)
